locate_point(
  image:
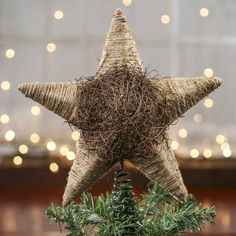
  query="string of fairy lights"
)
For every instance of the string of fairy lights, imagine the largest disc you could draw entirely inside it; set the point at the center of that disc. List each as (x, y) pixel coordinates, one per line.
(34, 139)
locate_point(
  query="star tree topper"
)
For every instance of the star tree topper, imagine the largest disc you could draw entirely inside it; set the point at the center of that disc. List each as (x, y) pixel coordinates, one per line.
(179, 95)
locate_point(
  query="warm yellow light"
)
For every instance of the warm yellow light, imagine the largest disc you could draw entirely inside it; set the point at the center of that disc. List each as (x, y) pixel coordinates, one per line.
(4, 118)
(165, 19)
(194, 153)
(58, 14)
(224, 146)
(35, 110)
(207, 153)
(64, 150)
(54, 167)
(17, 160)
(208, 72)
(51, 146)
(183, 133)
(34, 138)
(174, 145)
(23, 149)
(204, 12)
(70, 155)
(10, 53)
(220, 138)
(9, 135)
(227, 153)
(5, 85)
(127, 2)
(198, 118)
(208, 103)
(75, 135)
(51, 47)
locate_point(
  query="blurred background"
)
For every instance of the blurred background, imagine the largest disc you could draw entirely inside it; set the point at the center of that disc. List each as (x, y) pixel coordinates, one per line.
(56, 40)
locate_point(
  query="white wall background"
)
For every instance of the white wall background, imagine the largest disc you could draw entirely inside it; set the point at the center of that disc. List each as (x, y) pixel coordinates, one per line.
(184, 47)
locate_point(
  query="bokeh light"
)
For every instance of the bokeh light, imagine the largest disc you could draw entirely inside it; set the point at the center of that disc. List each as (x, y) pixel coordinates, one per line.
(208, 103)
(70, 155)
(5, 85)
(194, 153)
(64, 150)
(17, 160)
(23, 149)
(183, 133)
(9, 135)
(35, 110)
(51, 146)
(58, 14)
(75, 135)
(165, 19)
(208, 72)
(51, 47)
(127, 2)
(34, 138)
(4, 118)
(207, 153)
(204, 12)
(54, 167)
(174, 145)
(220, 138)
(10, 53)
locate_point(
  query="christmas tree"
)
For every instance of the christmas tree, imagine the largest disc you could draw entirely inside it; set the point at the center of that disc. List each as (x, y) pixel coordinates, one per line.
(123, 114)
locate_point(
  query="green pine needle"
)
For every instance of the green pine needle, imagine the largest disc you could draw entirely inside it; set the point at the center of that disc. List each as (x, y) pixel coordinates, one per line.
(157, 214)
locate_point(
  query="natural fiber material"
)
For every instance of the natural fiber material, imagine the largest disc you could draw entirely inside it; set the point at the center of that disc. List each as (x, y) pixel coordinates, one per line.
(120, 46)
(183, 93)
(122, 114)
(57, 97)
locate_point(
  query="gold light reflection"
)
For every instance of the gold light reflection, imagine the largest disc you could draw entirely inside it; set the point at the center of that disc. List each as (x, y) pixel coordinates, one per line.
(5, 85)
(64, 150)
(208, 103)
(127, 2)
(183, 133)
(54, 167)
(9, 135)
(208, 72)
(165, 19)
(58, 14)
(207, 153)
(194, 153)
(227, 153)
(4, 118)
(220, 138)
(10, 53)
(35, 110)
(70, 155)
(23, 149)
(174, 145)
(75, 135)
(51, 146)
(17, 160)
(204, 12)
(34, 138)
(51, 47)
(224, 146)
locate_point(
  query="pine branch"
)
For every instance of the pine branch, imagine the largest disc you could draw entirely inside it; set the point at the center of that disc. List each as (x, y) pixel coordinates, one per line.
(191, 216)
(159, 214)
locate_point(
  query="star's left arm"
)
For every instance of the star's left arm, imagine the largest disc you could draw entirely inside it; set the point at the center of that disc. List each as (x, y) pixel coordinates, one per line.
(59, 98)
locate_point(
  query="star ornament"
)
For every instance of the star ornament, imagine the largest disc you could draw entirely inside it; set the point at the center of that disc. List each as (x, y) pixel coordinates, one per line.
(122, 114)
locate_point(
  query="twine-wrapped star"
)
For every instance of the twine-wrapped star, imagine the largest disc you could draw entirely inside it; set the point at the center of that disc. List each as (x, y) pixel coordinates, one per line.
(122, 114)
